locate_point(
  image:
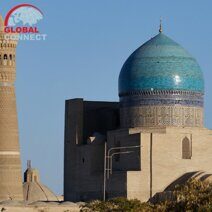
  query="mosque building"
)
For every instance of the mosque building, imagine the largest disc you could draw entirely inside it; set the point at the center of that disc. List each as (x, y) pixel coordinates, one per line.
(139, 147)
(150, 140)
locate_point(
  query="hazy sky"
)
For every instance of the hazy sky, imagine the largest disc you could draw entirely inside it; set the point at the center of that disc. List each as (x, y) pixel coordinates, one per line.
(87, 44)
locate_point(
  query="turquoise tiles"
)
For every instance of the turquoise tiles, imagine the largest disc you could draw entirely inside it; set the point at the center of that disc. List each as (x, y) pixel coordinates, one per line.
(161, 64)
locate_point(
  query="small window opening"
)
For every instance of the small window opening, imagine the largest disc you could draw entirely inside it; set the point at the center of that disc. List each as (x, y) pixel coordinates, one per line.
(186, 148)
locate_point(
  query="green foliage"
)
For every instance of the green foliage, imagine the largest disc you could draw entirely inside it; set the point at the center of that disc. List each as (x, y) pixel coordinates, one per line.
(116, 204)
(193, 196)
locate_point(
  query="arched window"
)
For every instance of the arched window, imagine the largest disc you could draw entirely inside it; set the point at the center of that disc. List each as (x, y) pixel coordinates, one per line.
(5, 60)
(11, 59)
(186, 148)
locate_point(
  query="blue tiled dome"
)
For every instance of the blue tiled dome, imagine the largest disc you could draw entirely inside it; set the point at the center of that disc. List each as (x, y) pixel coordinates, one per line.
(160, 64)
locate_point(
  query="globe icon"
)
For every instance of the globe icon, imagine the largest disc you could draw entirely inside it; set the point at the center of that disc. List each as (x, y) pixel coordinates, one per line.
(25, 16)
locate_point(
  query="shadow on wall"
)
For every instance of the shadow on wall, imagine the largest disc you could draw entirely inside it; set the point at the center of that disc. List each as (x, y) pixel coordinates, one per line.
(167, 194)
(199, 175)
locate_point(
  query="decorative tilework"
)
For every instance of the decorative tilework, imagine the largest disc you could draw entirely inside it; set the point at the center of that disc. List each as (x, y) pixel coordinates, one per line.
(161, 64)
(161, 84)
(151, 116)
(162, 97)
(167, 108)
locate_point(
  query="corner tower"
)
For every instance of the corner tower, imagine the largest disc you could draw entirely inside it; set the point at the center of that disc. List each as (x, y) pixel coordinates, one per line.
(10, 163)
(161, 84)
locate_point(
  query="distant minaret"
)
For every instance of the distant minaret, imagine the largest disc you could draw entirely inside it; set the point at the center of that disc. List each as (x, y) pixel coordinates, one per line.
(10, 163)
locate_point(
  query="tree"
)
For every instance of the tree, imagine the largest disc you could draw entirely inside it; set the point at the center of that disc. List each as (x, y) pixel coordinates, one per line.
(194, 195)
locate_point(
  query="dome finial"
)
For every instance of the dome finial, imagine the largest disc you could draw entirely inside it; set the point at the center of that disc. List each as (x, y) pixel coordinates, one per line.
(161, 28)
(29, 164)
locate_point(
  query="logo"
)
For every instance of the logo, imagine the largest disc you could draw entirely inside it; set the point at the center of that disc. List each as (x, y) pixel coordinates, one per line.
(21, 23)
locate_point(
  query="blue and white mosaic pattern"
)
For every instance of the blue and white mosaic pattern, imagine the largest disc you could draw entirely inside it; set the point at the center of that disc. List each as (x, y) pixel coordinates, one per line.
(161, 84)
(161, 64)
(186, 98)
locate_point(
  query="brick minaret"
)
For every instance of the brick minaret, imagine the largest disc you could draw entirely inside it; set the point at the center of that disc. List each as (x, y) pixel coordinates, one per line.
(10, 163)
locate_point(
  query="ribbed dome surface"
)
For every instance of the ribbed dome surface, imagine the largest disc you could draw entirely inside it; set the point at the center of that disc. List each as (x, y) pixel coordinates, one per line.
(160, 64)
(35, 191)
